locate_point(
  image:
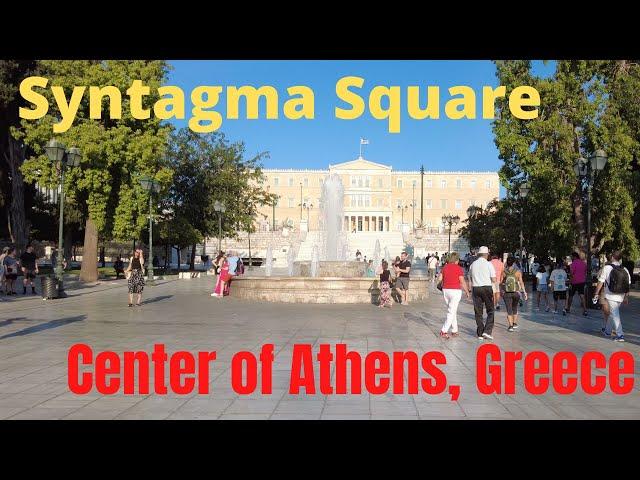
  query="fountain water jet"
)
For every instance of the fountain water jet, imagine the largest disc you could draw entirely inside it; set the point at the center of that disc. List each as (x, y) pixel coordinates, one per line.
(269, 262)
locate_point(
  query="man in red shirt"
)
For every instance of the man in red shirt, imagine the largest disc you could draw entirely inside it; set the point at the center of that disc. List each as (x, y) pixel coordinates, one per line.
(499, 267)
(578, 274)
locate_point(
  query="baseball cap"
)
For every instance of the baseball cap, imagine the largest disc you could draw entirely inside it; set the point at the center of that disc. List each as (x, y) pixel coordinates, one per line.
(482, 250)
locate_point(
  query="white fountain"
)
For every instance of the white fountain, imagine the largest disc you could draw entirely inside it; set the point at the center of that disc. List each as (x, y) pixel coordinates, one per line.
(315, 259)
(268, 267)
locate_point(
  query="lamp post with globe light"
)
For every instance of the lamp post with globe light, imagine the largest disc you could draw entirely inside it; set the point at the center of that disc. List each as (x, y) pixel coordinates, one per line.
(59, 155)
(151, 186)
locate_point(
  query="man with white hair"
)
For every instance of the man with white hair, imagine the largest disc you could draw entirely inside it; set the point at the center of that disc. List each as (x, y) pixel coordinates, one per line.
(482, 276)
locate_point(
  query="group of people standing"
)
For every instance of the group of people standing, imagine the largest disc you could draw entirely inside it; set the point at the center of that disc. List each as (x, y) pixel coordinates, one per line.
(226, 266)
(488, 281)
(11, 265)
(399, 272)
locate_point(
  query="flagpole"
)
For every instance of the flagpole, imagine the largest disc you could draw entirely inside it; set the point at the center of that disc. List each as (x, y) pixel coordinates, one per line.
(360, 148)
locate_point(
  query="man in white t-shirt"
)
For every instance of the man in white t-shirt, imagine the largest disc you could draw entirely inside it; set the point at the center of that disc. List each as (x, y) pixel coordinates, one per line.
(432, 266)
(618, 297)
(558, 279)
(482, 276)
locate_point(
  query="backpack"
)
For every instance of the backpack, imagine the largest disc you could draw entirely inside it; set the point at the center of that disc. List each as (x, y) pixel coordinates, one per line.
(510, 281)
(618, 280)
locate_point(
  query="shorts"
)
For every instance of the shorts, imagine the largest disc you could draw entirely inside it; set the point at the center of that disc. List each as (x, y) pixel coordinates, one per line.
(495, 288)
(11, 276)
(544, 288)
(402, 283)
(511, 300)
(577, 288)
(30, 274)
(560, 295)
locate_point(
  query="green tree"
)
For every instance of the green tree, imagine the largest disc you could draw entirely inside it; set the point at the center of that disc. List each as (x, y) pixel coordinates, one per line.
(585, 106)
(208, 168)
(115, 152)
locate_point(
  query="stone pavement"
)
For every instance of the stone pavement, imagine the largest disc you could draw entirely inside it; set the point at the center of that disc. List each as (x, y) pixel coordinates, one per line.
(35, 337)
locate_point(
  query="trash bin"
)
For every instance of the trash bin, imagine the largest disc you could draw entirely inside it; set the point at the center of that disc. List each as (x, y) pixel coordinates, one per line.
(49, 287)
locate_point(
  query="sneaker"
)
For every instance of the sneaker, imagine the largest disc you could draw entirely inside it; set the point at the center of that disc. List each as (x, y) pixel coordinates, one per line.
(487, 335)
(618, 338)
(564, 312)
(214, 294)
(510, 329)
(515, 326)
(555, 312)
(444, 335)
(547, 310)
(585, 314)
(480, 338)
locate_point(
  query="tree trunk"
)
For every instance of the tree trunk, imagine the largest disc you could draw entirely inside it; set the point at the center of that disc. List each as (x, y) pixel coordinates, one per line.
(102, 259)
(89, 270)
(179, 257)
(16, 215)
(192, 260)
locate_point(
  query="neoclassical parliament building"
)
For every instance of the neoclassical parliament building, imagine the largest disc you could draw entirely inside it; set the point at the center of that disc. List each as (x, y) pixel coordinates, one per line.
(377, 198)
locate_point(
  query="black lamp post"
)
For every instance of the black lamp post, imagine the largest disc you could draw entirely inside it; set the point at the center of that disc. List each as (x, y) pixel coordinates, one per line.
(220, 208)
(151, 186)
(450, 221)
(402, 209)
(585, 170)
(523, 191)
(59, 155)
(307, 207)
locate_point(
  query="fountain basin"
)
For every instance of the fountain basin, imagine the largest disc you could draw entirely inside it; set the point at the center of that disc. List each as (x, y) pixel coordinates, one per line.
(331, 268)
(320, 289)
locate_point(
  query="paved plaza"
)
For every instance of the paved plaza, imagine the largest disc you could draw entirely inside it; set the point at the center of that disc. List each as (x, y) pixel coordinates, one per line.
(35, 336)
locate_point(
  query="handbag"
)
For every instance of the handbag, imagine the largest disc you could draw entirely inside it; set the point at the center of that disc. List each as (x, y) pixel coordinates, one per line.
(439, 285)
(127, 274)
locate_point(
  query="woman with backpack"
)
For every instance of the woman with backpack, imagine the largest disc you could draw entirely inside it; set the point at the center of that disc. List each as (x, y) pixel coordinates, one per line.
(512, 284)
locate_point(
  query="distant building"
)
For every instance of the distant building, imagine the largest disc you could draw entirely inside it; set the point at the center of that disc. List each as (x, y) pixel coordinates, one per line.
(376, 198)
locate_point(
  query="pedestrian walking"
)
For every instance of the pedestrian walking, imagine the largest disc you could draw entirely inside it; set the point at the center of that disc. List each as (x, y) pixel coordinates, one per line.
(541, 282)
(578, 279)
(498, 266)
(29, 265)
(513, 285)
(452, 282)
(135, 277)
(11, 265)
(482, 276)
(558, 279)
(616, 281)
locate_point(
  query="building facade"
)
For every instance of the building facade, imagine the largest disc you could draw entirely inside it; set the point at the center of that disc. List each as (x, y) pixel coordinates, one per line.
(376, 197)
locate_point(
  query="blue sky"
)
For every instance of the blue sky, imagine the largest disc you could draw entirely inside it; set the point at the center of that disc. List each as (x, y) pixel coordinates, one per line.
(438, 144)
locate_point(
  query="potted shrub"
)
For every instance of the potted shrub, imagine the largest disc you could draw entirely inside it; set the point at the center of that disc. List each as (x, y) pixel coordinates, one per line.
(420, 228)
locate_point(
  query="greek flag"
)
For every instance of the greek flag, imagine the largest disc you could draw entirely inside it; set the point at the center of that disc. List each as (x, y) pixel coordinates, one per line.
(364, 141)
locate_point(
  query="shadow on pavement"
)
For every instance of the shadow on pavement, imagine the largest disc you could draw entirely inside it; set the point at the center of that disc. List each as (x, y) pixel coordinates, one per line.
(156, 299)
(45, 326)
(9, 321)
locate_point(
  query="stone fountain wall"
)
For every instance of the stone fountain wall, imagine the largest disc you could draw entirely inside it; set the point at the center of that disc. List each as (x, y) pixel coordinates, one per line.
(320, 289)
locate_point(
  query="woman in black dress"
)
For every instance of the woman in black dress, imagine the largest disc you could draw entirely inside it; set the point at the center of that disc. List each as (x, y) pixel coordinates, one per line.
(135, 276)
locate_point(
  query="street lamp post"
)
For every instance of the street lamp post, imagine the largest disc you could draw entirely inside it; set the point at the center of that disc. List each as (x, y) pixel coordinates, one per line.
(413, 208)
(402, 209)
(421, 192)
(450, 221)
(301, 203)
(308, 207)
(220, 208)
(523, 191)
(151, 186)
(58, 154)
(585, 170)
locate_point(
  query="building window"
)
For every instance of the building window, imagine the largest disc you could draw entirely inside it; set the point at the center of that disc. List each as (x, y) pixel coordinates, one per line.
(306, 182)
(290, 202)
(279, 202)
(429, 184)
(359, 200)
(443, 184)
(458, 204)
(379, 183)
(428, 204)
(473, 184)
(291, 181)
(353, 200)
(399, 183)
(459, 183)
(276, 182)
(443, 203)
(487, 184)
